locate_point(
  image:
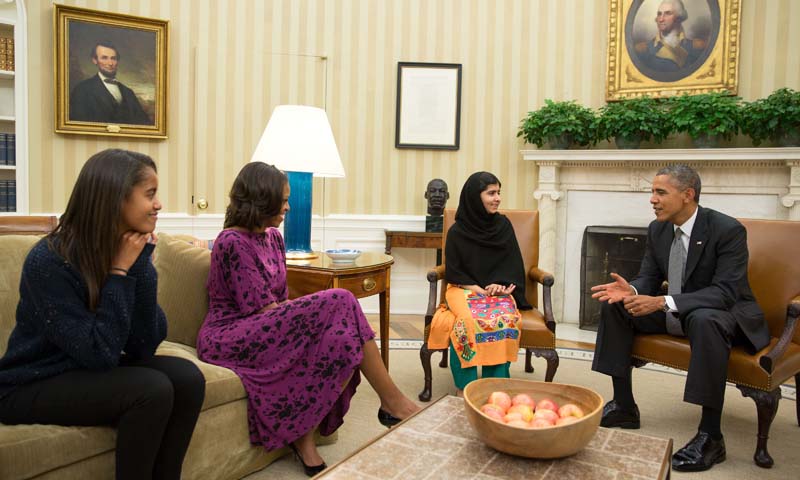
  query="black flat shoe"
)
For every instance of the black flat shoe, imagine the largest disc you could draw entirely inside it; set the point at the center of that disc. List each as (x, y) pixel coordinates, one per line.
(616, 416)
(701, 453)
(387, 419)
(310, 470)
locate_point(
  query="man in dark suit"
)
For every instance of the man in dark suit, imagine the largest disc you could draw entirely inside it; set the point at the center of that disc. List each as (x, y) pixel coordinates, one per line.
(102, 98)
(703, 254)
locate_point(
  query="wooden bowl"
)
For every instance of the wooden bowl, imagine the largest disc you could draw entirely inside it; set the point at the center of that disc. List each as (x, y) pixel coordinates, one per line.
(549, 442)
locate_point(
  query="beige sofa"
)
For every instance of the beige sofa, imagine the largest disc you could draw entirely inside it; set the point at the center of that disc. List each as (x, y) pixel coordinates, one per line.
(220, 447)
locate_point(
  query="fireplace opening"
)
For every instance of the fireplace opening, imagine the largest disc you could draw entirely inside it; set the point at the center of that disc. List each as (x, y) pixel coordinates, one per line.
(604, 250)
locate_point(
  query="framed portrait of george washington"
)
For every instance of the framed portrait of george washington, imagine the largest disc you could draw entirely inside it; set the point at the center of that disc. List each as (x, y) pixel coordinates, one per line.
(110, 73)
(663, 48)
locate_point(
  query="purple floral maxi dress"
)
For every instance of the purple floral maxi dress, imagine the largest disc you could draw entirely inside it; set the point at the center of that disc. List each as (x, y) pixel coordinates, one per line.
(299, 361)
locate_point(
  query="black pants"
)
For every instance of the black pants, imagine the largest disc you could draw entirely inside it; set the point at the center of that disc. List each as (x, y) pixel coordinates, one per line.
(710, 332)
(154, 404)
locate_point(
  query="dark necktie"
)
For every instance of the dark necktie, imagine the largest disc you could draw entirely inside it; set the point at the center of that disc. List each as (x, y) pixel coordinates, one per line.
(677, 263)
(112, 81)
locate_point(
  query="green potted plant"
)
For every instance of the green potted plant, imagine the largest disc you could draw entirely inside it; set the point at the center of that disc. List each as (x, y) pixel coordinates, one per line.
(632, 120)
(706, 117)
(776, 118)
(560, 124)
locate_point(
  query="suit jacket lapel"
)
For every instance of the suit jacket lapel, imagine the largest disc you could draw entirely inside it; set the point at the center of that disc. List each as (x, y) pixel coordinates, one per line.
(664, 244)
(697, 243)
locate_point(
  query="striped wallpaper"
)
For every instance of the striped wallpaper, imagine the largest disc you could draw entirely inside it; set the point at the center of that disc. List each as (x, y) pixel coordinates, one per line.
(232, 61)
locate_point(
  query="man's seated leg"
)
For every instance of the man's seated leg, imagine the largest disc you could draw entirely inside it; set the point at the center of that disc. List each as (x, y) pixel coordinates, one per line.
(711, 334)
(612, 356)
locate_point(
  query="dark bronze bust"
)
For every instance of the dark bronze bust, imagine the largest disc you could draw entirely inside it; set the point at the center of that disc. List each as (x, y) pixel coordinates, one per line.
(437, 196)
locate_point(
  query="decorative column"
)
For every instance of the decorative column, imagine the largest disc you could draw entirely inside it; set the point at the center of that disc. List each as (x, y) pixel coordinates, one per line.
(547, 195)
(792, 199)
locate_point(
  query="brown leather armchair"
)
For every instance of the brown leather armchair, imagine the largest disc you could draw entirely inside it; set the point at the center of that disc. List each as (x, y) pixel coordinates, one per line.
(774, 275)
(538, 328)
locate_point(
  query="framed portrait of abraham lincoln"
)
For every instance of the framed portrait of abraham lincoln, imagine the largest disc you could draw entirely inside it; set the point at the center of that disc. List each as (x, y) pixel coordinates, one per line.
(663, 48)
(110, 73)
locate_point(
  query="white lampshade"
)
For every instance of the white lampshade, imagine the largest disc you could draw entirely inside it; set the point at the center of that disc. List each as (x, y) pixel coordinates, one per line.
(298, 138)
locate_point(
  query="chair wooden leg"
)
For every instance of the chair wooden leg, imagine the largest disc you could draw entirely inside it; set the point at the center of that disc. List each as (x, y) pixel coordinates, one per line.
(767, 407)
(528, 361)
(548, 354)
(443, 361)
(425, 359)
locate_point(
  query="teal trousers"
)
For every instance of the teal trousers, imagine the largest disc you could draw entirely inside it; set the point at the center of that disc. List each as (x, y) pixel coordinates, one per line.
(462, 376)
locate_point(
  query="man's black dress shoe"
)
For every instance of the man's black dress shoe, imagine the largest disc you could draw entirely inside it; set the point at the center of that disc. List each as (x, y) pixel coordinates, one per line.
(616, 416)
(310, 470)
(387, 419)
(701, 453)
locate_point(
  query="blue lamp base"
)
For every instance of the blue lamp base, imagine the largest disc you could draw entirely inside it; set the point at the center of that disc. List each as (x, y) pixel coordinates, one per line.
(297, 226)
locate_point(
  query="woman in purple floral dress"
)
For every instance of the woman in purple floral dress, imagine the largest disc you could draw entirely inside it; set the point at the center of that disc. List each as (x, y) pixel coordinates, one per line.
(299, 360)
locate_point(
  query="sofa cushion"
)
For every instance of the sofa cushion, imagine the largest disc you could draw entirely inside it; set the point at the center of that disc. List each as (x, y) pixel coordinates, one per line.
(29, 450)
(222, 385)
(182, 273)
(14, 249)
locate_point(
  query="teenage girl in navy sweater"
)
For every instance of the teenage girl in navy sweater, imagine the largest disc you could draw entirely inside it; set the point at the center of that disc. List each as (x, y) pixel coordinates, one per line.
(88, 324)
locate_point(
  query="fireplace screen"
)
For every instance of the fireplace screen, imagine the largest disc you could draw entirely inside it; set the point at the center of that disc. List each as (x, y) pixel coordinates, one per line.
(605, 250)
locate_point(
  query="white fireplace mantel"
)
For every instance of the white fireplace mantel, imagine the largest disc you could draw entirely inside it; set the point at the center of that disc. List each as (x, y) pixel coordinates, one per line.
(577, 188)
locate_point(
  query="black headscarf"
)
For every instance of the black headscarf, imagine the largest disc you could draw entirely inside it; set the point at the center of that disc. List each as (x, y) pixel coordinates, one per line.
(481, 247)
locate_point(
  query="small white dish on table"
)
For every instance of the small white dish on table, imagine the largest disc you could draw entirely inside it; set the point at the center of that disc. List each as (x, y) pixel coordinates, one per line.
(343, 255)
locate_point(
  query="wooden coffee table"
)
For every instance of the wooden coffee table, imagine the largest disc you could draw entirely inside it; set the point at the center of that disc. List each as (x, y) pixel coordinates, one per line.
(439, 443)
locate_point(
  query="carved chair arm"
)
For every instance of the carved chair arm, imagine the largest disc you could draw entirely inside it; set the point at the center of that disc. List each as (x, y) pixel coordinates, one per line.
(434, 275)
(546, 280)
(792, 312)
(540, 276)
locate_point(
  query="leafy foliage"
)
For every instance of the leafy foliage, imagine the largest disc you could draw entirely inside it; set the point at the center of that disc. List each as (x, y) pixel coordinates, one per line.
(641, 117)
(708, 113)
(556, 119)
(772, 117)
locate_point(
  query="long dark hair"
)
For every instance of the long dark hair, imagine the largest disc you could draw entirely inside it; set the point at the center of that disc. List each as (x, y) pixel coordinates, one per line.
(256, 195)
(89, 231)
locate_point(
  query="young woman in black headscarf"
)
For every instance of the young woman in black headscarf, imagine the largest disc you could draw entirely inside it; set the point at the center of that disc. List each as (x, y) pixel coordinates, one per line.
(486, 286)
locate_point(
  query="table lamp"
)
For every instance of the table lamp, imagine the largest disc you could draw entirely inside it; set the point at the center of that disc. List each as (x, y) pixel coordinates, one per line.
(298, 140)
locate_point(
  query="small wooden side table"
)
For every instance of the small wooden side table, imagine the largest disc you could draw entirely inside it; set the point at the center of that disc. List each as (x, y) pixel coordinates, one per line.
(396, 238)
(368, 275)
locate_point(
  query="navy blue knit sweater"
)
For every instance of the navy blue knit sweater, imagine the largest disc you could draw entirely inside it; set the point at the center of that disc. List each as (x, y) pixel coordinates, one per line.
(56, 332)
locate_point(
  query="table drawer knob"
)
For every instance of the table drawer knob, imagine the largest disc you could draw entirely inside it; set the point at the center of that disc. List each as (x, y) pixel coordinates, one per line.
(369, 284)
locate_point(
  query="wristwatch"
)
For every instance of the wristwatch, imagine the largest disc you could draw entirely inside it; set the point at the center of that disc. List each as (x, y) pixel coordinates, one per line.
(665, 308)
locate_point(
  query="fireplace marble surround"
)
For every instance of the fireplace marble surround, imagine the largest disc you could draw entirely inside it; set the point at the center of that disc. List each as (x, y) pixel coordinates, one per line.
(578, 188)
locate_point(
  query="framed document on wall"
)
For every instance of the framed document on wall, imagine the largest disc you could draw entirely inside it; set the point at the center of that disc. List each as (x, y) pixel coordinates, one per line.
(111, 73)
(663, 48)
(428, 105)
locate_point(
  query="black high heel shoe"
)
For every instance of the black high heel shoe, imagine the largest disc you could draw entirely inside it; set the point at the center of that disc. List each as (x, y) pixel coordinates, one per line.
(387, 419)
(310, 470)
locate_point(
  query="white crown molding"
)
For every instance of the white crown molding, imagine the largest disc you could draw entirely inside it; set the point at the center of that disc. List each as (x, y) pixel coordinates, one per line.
(648, 157)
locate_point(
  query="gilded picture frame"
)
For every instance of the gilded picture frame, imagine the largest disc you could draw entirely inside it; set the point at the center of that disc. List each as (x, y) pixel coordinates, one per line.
(110, 73)
(663, 48)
